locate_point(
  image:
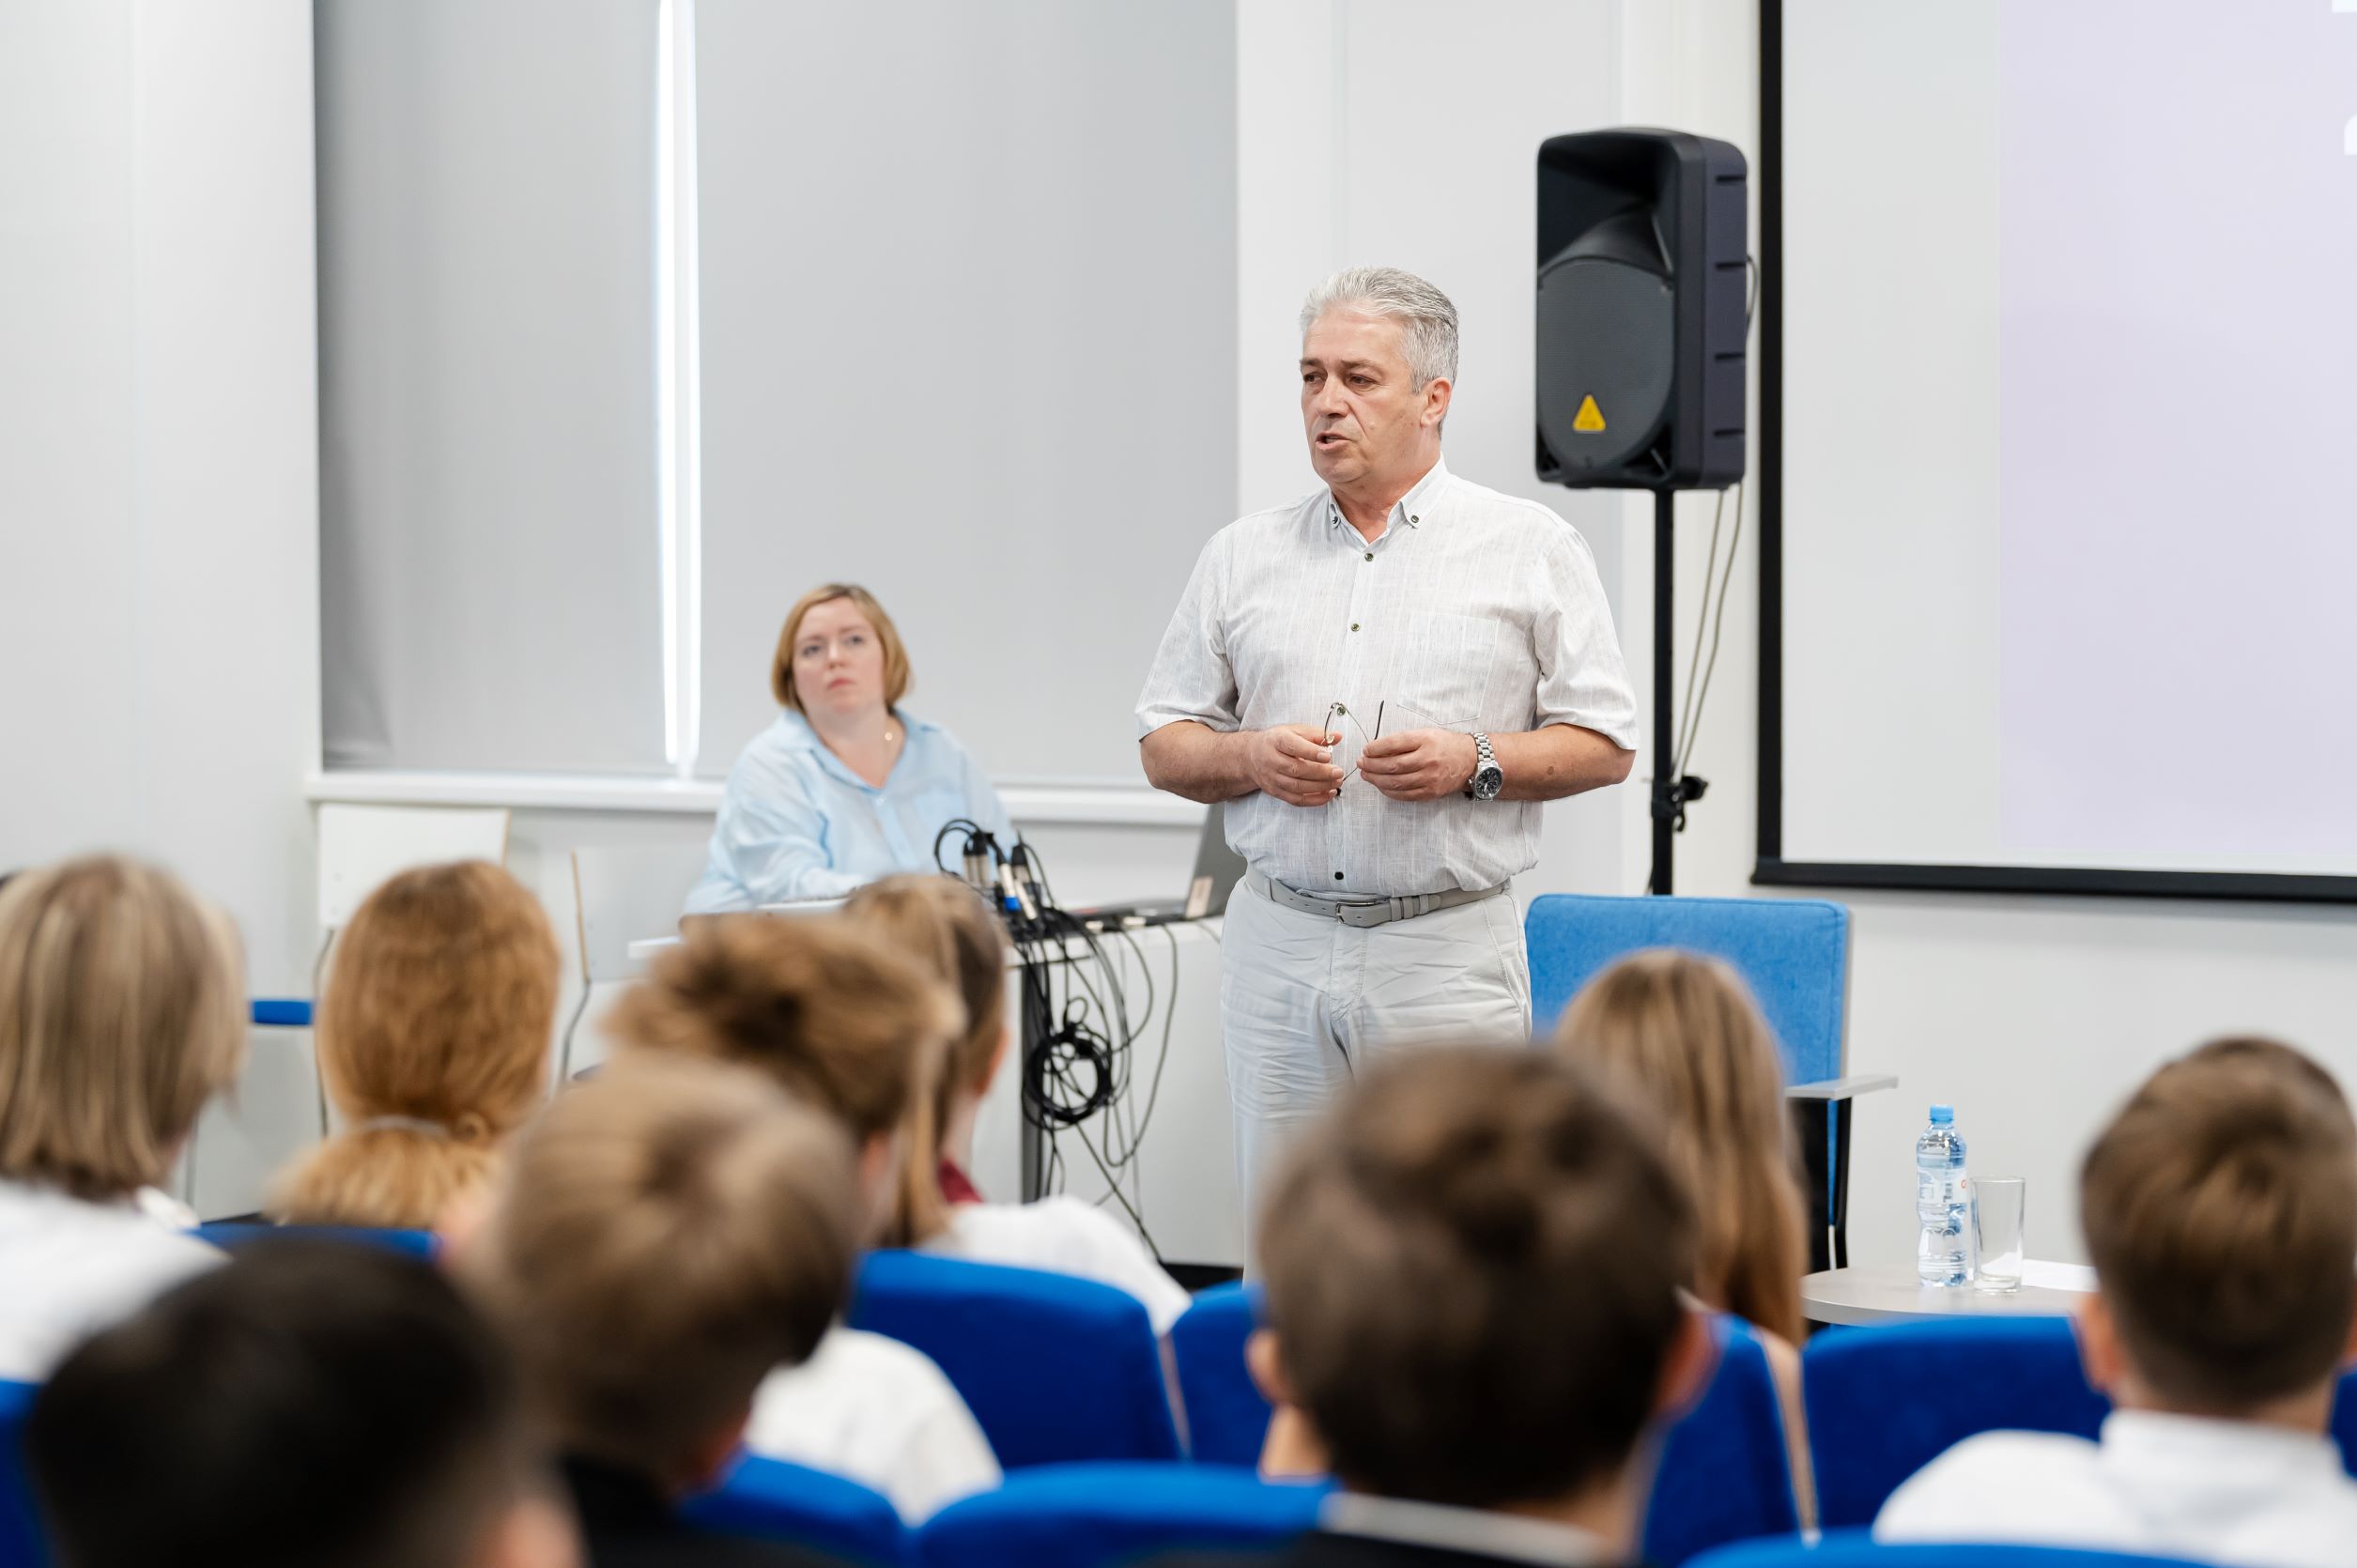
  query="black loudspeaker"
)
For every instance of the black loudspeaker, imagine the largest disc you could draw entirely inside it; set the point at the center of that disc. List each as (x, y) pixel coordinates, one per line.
(1640, 311)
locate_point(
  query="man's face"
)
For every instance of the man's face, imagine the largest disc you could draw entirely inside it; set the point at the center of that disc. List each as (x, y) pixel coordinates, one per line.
(1358, 408)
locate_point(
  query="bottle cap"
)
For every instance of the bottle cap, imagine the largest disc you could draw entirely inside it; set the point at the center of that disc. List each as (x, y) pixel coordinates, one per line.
(1943, 1115)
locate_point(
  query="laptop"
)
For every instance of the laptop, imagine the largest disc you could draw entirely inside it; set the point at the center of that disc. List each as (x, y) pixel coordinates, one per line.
(1217, 870)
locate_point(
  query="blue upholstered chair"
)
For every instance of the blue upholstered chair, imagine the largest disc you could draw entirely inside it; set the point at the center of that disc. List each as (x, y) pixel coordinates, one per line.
(231, 1234)
(1228, 1419)
(1091, 1515)
(1725, 1474)
(20, 1519)
(1853, 1549)
(1885, 1401)
(768, 1499)
(1056, 1369)
(1795, 955)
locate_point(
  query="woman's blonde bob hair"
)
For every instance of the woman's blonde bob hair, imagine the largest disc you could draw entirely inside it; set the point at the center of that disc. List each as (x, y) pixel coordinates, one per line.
(122, 1012)
(433, 1039)
(895, 673)
(1681, 1030)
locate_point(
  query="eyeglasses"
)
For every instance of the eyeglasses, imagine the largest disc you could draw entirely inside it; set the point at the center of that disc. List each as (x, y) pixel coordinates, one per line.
(1340, 710)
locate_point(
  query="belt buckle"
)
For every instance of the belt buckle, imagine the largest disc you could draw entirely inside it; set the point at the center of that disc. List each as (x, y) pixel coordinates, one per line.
(1352, 914)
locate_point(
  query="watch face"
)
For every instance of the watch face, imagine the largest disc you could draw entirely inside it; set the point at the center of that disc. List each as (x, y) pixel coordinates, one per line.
(1487, 782)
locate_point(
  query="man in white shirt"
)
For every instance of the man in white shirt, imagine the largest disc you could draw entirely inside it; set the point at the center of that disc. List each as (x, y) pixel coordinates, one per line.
(1383, 681)
(2221, 1214)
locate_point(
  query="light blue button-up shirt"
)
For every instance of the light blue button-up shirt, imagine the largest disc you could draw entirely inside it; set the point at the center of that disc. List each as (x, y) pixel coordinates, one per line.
(797, 823)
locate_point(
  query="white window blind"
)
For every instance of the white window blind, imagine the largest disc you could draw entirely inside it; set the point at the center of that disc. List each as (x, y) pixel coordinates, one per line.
(967, 292)
(489, 550)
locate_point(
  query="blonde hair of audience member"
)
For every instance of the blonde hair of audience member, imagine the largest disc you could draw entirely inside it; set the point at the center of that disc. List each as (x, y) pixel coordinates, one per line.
(1475, 1267)
(122, 1012)
(668, 1232)
(433, 1039)
(826, 1009)
(2220, 1208)
(1681, 1031)
(945, 924)
(896, 666)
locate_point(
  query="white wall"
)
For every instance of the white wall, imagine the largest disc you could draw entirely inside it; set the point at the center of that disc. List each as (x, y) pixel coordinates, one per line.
(158, 452)
(2035, 1016)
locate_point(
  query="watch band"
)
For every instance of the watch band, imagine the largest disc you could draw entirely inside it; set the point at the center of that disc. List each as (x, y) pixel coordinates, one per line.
(1485, 760)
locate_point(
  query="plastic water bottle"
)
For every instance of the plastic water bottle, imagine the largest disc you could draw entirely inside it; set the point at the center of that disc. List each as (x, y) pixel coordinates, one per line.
(1942, 1253)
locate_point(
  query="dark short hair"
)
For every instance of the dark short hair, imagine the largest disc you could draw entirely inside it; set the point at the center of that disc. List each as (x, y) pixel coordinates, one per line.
(309, 1403)
(2220, 1207)
(1473, 1267)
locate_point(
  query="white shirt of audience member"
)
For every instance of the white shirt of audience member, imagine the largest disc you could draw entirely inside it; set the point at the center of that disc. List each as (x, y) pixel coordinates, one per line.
(69, 1268)
(2234, 1492)
(1063, 1236)
(878, 1412)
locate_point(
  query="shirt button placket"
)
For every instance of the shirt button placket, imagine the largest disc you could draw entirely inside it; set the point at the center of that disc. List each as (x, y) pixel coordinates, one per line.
(1349, 695)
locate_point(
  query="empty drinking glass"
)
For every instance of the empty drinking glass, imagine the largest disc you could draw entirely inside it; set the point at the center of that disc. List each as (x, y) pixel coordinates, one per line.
(1997, 1234)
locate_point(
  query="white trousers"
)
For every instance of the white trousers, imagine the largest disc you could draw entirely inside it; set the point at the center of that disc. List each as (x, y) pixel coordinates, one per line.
(1306, 1002)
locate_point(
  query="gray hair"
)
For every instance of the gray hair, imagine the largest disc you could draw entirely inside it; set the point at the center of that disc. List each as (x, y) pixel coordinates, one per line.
(1428, 322)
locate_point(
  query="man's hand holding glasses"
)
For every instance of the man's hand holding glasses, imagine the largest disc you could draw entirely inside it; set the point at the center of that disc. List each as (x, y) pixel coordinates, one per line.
(1418, 765)
(1295, 762)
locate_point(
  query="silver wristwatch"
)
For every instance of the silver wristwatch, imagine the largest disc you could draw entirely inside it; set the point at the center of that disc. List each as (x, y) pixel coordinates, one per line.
(1488, 778)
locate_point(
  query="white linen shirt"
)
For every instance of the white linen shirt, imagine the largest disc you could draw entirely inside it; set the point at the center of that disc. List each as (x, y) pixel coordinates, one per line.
(878, 1412)
(1063, 1236)
(69, 1268)
(1474, 610)
(795, 823)
(2215, 1491)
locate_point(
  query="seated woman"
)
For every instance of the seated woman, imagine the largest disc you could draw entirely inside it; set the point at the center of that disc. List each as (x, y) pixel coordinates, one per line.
(122, 1012)
(844, 788)
(851, 1029)
(1681, 1031)
(942, 922)
(433, 1040)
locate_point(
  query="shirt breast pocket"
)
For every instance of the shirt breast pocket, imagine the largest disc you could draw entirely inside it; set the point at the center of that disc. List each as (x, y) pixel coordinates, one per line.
(1451, 671)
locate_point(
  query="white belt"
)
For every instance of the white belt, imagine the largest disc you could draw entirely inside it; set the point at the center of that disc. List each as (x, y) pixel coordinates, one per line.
(1365, 913)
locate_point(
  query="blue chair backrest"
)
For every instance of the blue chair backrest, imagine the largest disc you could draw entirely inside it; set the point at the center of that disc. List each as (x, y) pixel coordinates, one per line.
(1090, 1516)
(2345, 1422)
(1054, 1368)
(1885, 1401)
(231, 1234)
(20, 1519)
(768, 1499)
(1725, 1474)
(1853, 1549)
(1228, 1419)
(1794, 953)
(280, 1012)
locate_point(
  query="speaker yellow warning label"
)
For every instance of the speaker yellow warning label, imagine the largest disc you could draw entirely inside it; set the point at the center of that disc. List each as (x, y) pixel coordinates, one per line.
(1590, 418)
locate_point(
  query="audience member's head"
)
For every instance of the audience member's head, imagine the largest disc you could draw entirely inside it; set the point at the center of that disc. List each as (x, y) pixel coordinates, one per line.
(1475, 1270)
(830, 1012)
(2273, 1055)
(943, 924)
(310, 1406)
(1681, 1031)
(122, 1012)
(433, 1040)
(2220, 1208)
(667, 1233)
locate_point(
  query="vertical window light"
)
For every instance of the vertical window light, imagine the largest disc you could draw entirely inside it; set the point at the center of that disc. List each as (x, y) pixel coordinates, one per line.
(680, 485)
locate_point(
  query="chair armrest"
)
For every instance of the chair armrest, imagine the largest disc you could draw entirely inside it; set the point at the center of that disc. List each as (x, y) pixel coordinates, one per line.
(1841, 1088)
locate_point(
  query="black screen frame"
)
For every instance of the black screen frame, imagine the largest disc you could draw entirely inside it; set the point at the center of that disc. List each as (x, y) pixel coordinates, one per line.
(1770, 867)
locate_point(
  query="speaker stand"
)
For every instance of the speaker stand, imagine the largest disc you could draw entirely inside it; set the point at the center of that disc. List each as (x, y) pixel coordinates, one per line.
(1671, 792)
